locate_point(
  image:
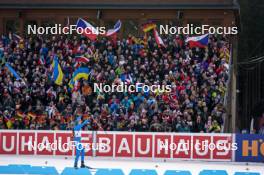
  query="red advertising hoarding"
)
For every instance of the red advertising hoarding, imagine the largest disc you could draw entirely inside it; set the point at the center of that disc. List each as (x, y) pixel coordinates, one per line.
(119, 144)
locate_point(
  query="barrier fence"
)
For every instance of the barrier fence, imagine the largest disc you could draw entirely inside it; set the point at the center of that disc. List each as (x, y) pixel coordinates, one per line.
(140, 145)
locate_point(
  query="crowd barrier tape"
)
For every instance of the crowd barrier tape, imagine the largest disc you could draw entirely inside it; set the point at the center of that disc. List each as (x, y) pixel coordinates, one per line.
(137, 145)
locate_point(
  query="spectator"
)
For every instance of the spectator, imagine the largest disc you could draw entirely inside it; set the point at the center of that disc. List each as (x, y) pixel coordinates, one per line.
(215, 127)
(197, 77)
(199, 126)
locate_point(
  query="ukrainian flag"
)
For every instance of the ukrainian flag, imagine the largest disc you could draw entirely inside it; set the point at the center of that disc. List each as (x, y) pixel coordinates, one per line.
(57, 72)
(13, 72)
(78, 74)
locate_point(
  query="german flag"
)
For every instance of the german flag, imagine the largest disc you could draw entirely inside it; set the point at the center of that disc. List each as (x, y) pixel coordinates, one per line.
(135, 40)
(20, 114)
(32, 115)
(148, 27)
(69, 118)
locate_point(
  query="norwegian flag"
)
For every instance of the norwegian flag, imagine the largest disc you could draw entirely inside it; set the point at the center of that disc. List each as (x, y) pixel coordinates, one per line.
(79, 60)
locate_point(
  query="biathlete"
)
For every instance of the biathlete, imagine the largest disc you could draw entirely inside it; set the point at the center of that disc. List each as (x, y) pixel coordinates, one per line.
(78, 145)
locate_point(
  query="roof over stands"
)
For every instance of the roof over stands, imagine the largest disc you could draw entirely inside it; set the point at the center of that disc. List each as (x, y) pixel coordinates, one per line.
(120, 4)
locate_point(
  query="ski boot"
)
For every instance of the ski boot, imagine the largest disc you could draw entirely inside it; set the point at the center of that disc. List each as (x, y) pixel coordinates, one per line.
(84, 166)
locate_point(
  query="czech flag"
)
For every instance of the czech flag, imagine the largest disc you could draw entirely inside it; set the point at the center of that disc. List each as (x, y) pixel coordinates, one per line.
(198, 41)
(57, 75)
(78, 74)
(158, 38)
(79, 60)
(87, 29)
(116, 28)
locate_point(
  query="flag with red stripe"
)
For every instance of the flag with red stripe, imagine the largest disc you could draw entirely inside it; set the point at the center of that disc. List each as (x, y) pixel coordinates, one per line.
(79, 60)
(86, 29)
(116, 28)
(158, 38)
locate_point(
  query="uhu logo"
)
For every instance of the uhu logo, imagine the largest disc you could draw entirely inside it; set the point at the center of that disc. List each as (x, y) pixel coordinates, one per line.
(253, 148)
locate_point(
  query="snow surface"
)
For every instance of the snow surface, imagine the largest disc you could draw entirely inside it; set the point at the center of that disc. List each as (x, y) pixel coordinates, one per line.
(60, 162)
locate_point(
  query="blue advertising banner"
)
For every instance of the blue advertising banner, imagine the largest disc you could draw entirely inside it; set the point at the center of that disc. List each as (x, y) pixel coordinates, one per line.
(250, 148)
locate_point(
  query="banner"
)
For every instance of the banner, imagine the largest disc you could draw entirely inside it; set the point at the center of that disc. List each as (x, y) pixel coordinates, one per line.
(250, 148)
(173, 146)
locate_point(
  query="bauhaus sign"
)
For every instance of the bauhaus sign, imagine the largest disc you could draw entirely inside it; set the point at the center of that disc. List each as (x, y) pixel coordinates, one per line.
(173, 146)
(250, 148)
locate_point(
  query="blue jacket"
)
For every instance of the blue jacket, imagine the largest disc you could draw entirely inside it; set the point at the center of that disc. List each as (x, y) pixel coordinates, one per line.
(77, 130)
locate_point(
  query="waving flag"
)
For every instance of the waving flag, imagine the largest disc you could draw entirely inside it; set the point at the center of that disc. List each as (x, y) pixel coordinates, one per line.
(78, 74)
(126, 78)
(13, 72)
(149, 26)
(116, 28)
(198, 41)
(76, 86)
(158, 38)
(113, 32)
(51, 93)
(79, 60)
(57, 75)
(87, 29)
(16, 37)
(41, 60)
(20, 114)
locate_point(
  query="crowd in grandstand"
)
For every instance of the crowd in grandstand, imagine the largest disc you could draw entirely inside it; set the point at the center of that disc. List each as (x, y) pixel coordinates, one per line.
(197, 76)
